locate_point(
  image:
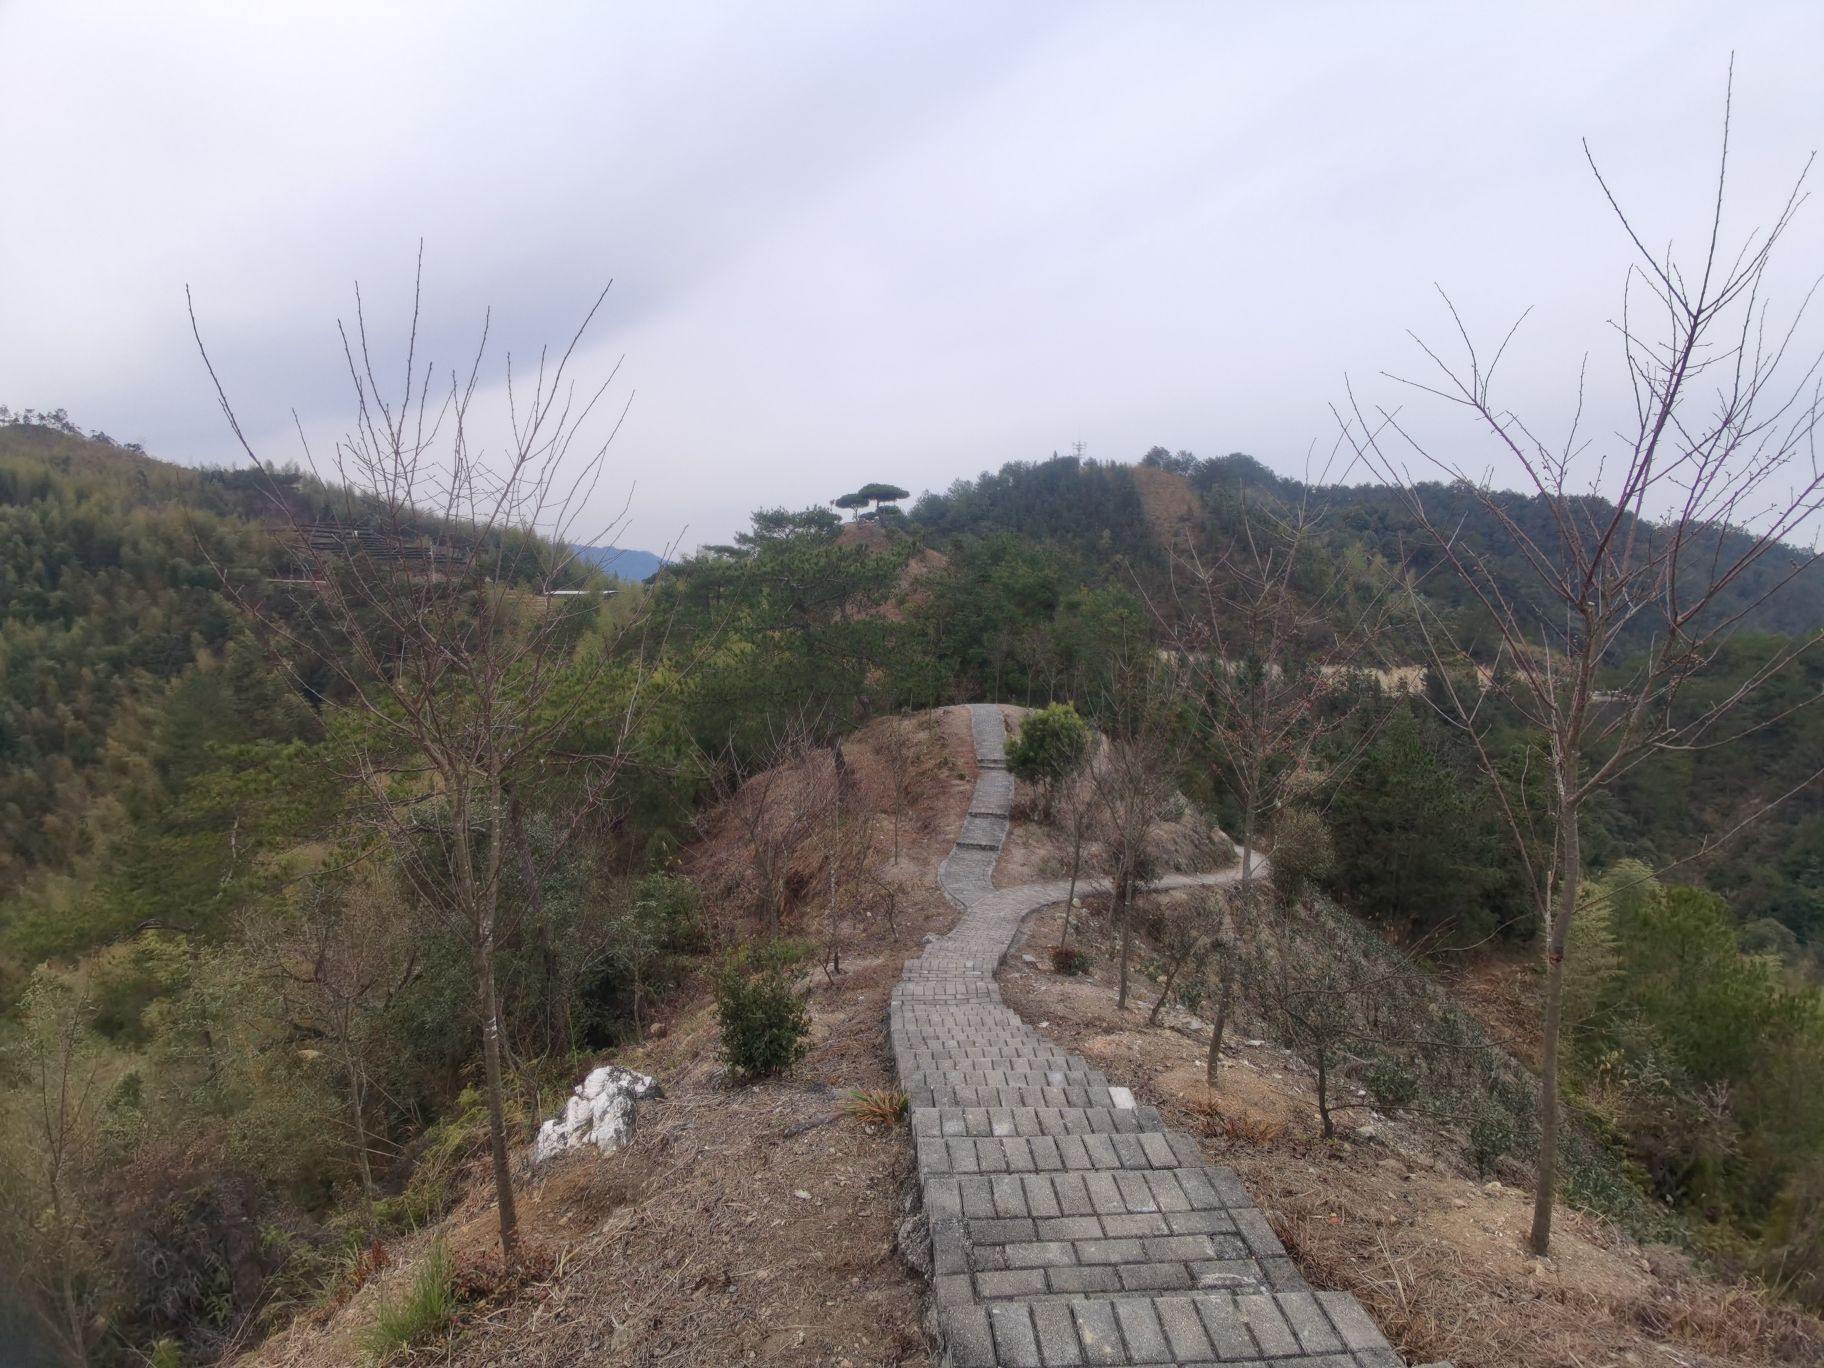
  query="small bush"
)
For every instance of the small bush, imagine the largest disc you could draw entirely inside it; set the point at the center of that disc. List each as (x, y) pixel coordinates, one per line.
(425, 1309)
(1395, 1087)
(1491, 1139)
(1070, 961)
(765, 1023)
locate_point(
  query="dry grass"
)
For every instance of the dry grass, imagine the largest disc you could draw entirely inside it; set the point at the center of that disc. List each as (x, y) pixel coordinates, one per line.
(1438, 1258)
(1256, 1132)
(881, 1106)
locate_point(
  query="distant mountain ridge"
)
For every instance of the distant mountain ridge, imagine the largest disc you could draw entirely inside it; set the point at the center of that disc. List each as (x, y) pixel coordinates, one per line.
(622, 563)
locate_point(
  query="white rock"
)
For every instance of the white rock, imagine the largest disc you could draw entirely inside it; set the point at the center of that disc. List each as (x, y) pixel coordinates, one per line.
(599, 1113)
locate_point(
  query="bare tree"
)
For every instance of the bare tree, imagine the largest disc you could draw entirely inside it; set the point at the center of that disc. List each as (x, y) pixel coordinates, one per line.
(428, 609)
(1640, 555)
(903, 747)
(848, 839)
(1072, 810)
(47, 1227)
(1134, 794)
(1184, 933)
(1263, 633)
(782, 801)
(335, 971)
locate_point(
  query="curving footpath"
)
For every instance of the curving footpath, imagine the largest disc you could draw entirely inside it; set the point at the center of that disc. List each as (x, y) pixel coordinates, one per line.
(1067, 1224)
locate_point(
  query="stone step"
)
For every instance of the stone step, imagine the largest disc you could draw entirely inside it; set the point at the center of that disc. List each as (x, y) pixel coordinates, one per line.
(1308, 1328)
(949, 1095)
(968, 1076)
(976, 1122)
(1111, 1152)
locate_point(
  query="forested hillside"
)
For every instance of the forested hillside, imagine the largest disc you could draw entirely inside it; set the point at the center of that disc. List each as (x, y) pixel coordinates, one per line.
(225, 869)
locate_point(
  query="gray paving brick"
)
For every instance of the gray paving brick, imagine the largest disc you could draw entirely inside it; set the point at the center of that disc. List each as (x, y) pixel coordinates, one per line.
(1155, 1277)
(1097, 1332)
(1014, 1340)
(1057, 1335)
(1358, 1332)
(1140, 1328)
(1011, 1282)
(1269, 1328)
(1223, 1323)
(1002, 1232)
(1093, 1278)
(1136, 1224)
(967, 1341)
(1183, 1328)
(1040, 1254)
(1109, 1251)
(1071, 1228)
(1315, 1333)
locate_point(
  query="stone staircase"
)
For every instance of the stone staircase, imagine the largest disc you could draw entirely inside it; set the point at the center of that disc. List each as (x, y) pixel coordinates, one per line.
(1067, 1224)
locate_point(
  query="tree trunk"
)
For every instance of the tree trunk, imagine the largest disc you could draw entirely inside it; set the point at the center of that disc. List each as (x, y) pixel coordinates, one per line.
(1124, 903)
(1545, 1183)
(357, 1105)
(1171, 977)
(1076, 861)
(497, 1121)
(1227, 987)
(1323, 1094)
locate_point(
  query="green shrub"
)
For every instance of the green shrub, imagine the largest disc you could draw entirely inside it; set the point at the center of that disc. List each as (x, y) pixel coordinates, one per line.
(669, 909)
(764, 1021)
(1491, 1139)
(424, 1309)
(422, 1202)
(1394, 1086)
(1070, 961)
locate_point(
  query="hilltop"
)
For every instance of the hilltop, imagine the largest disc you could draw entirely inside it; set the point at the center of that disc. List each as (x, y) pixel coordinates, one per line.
(220, 886)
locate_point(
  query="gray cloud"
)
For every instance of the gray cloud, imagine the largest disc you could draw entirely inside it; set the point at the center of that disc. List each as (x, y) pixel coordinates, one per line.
(883, 241)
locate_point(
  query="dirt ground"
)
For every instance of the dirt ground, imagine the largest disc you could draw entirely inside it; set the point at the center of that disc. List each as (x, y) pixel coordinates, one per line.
(1393, 1212)
(744, 1224)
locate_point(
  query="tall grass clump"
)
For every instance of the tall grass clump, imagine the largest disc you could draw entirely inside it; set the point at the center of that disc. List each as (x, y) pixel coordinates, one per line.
(423, 1310)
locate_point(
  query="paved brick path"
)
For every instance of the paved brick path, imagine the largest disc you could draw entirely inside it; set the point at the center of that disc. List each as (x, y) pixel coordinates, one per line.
(1068, 1225)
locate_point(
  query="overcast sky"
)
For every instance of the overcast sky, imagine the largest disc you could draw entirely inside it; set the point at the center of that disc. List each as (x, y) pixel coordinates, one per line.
(859, 241)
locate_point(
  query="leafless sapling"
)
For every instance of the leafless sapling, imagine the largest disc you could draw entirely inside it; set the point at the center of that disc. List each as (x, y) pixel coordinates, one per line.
(1630, 560)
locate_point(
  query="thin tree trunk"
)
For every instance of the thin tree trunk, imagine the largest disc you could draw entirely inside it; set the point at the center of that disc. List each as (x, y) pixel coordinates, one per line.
(1226, 989)
(1171, 977)
(357, 1105)
(1323, 1094)
(497, 1121)
(1545, 1183)
(1124, 903)
(1076, 861)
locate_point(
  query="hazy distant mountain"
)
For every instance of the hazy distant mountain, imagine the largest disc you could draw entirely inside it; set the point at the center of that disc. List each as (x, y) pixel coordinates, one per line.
(622, 563)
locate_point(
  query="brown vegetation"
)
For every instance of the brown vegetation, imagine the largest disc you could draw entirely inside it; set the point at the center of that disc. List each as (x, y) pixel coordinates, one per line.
(1398, 1218)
